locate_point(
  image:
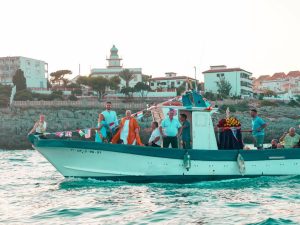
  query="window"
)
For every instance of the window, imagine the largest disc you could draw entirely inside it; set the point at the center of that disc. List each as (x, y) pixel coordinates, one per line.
(152, 84)
(163, 83)
(178, 82)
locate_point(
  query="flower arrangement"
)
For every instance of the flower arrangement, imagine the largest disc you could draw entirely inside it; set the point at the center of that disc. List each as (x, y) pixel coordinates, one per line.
(229, 122)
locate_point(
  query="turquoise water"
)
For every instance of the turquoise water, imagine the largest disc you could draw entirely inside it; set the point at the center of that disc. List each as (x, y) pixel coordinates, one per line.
(32, 192)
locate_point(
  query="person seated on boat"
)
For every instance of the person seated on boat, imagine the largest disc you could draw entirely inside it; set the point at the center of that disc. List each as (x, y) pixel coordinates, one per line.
(155, 138)
(289, 139)
(274, 144)
(39, 127)
(185, 132)
(111, 119)
(101, 132)
(128, 132)
(169, 130)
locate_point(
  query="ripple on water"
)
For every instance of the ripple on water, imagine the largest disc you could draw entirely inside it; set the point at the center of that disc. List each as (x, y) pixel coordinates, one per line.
(31, 191)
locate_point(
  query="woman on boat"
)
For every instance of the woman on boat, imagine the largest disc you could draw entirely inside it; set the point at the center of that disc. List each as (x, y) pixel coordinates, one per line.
(101, 132)
(128, 132)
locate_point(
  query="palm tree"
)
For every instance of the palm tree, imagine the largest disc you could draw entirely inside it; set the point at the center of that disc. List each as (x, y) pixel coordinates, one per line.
(126, 75)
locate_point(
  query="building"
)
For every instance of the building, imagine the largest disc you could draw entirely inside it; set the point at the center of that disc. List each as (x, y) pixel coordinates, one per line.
(279, 83)
(114, 67)
(35, 71)
(240, 80)
(170, 81)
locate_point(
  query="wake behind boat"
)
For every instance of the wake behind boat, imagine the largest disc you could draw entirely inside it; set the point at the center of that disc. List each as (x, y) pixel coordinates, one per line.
(204, 161)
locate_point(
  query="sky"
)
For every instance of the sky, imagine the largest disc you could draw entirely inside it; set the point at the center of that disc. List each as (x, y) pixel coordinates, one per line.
(260, 36)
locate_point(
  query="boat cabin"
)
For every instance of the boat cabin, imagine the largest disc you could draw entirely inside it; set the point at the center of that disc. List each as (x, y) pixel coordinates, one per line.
(198, 113)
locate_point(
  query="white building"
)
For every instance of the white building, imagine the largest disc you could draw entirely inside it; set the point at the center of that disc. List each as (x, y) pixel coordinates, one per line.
(34, 71)
(170, 81)
(114, 68)
(240, 80)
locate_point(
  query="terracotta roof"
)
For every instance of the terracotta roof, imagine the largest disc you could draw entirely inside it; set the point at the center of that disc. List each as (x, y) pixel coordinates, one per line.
(277, 76)
(293, 74)
(263, 77)
(172, 78)
(225, 70)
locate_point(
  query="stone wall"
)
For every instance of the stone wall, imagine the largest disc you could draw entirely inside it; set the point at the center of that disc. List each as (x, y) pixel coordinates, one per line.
(16, 123)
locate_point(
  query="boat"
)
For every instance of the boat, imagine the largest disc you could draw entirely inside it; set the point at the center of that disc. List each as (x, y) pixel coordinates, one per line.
(204, 162)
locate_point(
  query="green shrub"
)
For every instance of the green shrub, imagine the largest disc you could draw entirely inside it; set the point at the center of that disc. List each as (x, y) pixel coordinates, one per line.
(4, 101)
(73, 98)
(293, 103)
(242, 106)
(5, 90)
(23, 95)
(268, 103)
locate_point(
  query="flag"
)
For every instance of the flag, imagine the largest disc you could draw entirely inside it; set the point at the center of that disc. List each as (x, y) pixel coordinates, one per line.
(139, 115)
(111, 125)
(59, 134)
(81, 133)
(68, 134)
(87, 133)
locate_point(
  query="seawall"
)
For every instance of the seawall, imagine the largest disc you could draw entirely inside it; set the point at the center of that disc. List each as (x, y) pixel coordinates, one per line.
(15, 123)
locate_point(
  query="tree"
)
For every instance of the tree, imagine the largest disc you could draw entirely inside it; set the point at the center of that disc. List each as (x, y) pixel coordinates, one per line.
(83, 80)
(19, 80)
(143, 88)
(114, 83)
(127, 76)
(98, 84)
(224, 87)
(181, 89)
(59, 76)
(128, 91)
(146, 79)
(270, 93)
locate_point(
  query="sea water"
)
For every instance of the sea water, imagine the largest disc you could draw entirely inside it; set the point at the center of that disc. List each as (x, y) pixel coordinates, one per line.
(33, 192)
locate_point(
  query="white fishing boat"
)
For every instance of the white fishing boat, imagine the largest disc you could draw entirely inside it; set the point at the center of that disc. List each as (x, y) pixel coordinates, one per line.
(117, 162)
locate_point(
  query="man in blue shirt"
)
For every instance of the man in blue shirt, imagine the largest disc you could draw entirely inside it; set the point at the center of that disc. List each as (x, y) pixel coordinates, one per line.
(258, 129)
(185, 132)
(169, 130)
(111, 119)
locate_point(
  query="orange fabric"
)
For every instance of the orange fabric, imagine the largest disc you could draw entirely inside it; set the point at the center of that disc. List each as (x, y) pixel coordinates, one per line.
(133, 124)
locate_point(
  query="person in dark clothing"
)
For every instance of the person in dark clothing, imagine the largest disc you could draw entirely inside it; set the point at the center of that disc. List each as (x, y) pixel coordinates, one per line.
(185, 132)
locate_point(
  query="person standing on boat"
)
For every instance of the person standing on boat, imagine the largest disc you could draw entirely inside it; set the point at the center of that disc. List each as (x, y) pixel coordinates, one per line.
(155, 138)
(258, 129)
(101, 134)
(169, 130)
(128, 132)
(111, 119)
(39, 126)
(185, 132)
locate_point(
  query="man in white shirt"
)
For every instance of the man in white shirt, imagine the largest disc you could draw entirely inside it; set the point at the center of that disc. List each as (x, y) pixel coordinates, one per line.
(39, 126)
(111, 119)
(155, 138)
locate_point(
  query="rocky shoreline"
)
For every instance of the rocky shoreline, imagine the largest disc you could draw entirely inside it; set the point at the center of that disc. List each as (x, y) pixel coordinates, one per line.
(15, 123)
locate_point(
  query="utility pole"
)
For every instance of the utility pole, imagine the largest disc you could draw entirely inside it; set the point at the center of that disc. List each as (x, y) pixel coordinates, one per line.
(196, 79)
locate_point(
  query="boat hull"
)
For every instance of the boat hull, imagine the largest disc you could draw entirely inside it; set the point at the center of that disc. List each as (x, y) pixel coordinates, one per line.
(146, 164)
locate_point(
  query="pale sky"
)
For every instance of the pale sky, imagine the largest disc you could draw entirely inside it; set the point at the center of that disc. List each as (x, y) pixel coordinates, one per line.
(261, 36)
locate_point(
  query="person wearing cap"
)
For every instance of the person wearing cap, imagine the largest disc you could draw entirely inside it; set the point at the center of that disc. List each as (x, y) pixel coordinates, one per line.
(258, 129)
(169, 130)
(39, 127)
